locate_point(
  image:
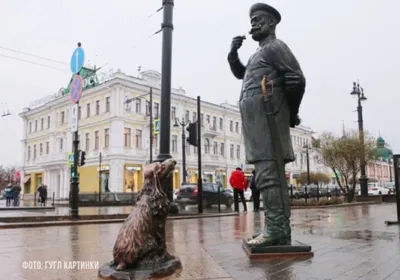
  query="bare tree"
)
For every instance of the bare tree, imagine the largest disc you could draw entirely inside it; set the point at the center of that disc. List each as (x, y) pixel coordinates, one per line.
(343, 155)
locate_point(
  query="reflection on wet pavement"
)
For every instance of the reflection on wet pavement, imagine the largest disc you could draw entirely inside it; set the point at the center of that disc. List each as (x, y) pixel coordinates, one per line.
(349, 243)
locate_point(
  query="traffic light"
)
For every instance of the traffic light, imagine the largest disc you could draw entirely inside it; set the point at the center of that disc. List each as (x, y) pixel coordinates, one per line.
(82, 158)
(192, 138)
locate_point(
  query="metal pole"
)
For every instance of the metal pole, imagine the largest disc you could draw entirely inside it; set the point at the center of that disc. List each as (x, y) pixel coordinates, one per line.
(390, 170)
(363, 178)
(199, 177)
(151, 124)
(166, 65)
(183, 154)
(397, 183)
(100, 177)
(75, 179)
(308, 173)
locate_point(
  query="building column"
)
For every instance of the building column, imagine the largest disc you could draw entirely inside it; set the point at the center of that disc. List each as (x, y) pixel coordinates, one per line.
(61, 174)
(66, 182)
(21, 181)
(116, 179)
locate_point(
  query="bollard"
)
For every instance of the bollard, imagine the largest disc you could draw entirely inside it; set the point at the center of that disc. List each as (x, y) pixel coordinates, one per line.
(219, 199)
(34, 199)
(53, 197)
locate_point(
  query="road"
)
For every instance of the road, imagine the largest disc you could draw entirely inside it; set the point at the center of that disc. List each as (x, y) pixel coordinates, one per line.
(349, 243)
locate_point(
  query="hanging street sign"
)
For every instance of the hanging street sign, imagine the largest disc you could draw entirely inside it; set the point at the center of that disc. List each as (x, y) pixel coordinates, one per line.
(73, 117)
(76, 88)
(156, 126)
(70, 159)
(77, 60)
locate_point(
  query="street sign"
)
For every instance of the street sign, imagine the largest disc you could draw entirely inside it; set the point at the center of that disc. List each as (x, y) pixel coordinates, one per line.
(77, 60)
(73, 117)
(156, 126)
(70, 159)
(76, 89)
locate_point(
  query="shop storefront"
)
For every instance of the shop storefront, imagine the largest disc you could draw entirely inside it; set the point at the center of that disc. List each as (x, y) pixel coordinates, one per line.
(133, 177)
(176, 179)
(208, 176)
(32, 182)
(192, 175)
(220, 177)
(89, 178)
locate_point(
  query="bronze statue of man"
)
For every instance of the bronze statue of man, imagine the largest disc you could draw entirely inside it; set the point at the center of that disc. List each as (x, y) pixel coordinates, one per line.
(274, 60)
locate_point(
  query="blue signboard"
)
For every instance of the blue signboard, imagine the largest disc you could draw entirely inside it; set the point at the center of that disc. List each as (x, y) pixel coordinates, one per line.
(77, 60)
(156, 126)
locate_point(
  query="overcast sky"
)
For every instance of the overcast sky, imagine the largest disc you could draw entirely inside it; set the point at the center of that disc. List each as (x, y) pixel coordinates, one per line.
(336, 42)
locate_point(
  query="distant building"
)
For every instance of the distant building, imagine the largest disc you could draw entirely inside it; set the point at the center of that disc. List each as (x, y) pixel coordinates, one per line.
(381, 169)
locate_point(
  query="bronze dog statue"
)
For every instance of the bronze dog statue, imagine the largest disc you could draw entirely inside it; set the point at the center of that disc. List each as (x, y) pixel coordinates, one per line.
(141, 239)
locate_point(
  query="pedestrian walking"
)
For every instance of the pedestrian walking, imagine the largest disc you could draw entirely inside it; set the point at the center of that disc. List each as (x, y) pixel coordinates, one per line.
(8, 193)
(238, 183)
(42, 195)
(255, 193)
(16, 192)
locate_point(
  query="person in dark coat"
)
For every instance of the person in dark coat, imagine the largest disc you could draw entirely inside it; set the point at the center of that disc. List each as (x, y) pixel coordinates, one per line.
(255, 193)
(16, 192)
(8, 193)
(42, 195)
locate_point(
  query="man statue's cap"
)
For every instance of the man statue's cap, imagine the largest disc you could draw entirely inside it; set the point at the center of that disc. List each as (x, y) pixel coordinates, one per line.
(266, 8)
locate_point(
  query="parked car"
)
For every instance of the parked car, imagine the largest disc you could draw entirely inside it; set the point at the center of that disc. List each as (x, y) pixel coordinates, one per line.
(334, 190)
(376, 189)
(188, 194)
(391, 187)
(175, 194)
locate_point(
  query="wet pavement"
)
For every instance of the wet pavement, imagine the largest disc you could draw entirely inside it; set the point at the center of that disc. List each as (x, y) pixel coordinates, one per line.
(349, 243)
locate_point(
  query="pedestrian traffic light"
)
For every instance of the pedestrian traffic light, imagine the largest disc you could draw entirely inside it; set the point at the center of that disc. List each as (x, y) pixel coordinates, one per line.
(192, 129)
(83, 158)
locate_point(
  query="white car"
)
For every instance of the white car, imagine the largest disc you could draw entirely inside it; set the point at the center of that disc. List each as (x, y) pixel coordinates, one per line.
(376, 189)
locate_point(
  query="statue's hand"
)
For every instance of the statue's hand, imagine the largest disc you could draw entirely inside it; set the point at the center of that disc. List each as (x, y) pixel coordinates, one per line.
(237, 43)
(293, 80)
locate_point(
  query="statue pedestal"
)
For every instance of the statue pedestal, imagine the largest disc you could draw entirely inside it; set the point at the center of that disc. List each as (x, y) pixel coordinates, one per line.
(293, 251)
(165, 269)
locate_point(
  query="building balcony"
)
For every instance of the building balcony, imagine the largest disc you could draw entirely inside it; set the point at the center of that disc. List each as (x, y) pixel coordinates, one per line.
(210, 131)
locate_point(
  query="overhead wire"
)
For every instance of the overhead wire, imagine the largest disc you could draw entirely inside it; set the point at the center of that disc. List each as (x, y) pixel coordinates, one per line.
(33, 55)
(32, 62)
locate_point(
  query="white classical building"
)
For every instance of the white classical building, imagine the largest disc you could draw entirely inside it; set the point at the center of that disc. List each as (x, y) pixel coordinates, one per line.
(116, 137)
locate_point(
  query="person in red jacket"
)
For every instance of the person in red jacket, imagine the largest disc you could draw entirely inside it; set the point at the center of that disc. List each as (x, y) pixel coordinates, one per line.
(238, 183)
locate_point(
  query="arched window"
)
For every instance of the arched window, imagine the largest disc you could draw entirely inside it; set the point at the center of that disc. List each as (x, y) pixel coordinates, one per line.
(207, 146)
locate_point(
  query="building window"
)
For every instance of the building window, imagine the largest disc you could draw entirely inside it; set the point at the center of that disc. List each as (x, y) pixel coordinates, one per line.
(34, 151)
(138, 106)
(96, 140)
(187, 113)
(40, 149)
(155, 140)
(88, 110)
(214, 123)
(208, 119)
(221, 123)
(215, 148)
(127, 137)
(194, 116)
(231, 126)
(173, 113)
(87, 141)
(232, 151)
(207, 146)
(222, 149)
(138, 136)
(62, 117)
(28, 157)
(107, 104)
(30, 127)
(48, 122)
(174, 143)
(106, 137)
(98, 107)
(79, 112)
(147, 108)
(41, 124)
(156, 108)
(238, 151)
(36, 126)
(202, 119)
(61, 144)
(47, 148)
(237, 127)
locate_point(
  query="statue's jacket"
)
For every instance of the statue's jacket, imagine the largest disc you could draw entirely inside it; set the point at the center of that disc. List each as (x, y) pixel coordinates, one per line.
(273, 59)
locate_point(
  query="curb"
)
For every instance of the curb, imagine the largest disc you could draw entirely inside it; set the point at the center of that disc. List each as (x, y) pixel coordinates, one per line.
(26, 208)
(334, 205)
(103, 221)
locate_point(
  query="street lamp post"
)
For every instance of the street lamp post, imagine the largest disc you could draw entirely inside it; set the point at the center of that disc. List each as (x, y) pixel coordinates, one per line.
(390, 161)
(306, 147)
(183, 123)
(359, 92)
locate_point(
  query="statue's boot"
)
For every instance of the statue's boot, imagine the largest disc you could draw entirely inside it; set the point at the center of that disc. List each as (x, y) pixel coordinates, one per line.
(277, 229)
